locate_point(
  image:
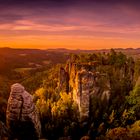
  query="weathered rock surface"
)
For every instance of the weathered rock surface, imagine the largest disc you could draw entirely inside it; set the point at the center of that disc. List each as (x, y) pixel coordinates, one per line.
(21, 108)
(92, 81)
(83, 83)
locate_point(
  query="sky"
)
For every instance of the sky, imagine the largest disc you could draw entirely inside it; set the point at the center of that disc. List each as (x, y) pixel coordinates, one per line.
(71, 24)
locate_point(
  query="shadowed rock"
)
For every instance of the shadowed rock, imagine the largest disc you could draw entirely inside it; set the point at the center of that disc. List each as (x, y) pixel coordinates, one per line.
(4, 132)
(22, 116)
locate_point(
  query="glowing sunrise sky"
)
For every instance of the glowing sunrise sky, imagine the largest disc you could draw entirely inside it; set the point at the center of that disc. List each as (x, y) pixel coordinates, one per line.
(72, 24)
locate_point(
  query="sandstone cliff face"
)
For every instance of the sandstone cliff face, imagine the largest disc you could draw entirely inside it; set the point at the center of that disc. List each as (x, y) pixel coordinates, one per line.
(81, 94)
(93, 82)
(83, 83)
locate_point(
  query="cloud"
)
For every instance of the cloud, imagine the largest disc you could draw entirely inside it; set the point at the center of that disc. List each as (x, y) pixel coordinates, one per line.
(70, 19)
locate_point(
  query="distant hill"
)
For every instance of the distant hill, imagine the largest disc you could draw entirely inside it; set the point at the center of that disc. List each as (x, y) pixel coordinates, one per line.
(63, 50)
(127, 50)
(11, 59)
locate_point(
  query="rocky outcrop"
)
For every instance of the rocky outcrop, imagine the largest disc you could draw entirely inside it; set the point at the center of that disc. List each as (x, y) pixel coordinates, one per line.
(95, 81)
(88, 84)
(81, 94)
(83, 83)
(21, 108)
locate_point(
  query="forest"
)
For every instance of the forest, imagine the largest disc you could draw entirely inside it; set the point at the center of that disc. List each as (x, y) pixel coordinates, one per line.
(114, 115)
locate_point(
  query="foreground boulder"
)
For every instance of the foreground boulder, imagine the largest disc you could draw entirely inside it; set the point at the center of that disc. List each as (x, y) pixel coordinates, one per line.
(22, 116)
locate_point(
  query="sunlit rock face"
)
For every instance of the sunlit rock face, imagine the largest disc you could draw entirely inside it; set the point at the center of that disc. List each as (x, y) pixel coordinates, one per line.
(84, 82)
(87, 85)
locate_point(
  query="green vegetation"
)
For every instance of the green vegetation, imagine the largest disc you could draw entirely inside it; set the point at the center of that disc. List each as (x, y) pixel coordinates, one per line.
(117, 119)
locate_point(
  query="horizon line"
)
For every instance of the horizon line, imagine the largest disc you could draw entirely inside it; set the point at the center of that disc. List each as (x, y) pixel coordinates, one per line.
(70, 49)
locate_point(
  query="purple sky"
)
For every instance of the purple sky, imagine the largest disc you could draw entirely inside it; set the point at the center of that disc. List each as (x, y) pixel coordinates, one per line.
(85, 24)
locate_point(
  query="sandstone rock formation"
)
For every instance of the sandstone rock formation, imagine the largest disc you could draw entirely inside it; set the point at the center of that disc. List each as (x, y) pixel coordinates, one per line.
(21, 108)
(83, 83)
(96, 80)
